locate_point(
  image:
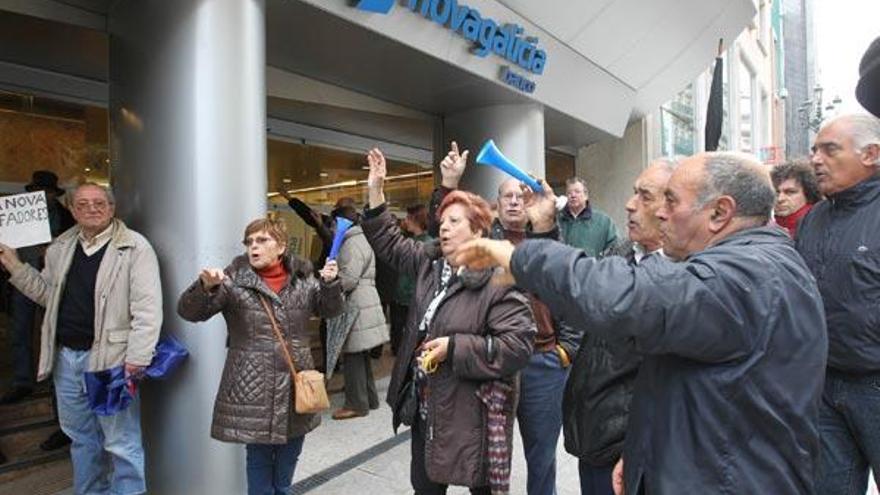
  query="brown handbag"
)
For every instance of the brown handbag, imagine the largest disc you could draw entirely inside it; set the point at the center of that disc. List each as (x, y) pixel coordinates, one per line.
(309, 392)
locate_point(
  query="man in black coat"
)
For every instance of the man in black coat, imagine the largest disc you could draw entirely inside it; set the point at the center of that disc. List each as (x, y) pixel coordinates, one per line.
(727, 398)
(599, 391)
(840, 241)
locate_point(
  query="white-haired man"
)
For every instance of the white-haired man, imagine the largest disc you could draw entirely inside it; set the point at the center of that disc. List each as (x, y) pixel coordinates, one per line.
(103, 299)
(840, 241)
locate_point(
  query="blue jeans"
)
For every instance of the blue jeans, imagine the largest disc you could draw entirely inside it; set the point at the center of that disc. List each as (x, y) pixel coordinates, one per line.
(23, 314)
(595, 480)
(106, 451)
(540, 419)
(270, 467)
(849, 431)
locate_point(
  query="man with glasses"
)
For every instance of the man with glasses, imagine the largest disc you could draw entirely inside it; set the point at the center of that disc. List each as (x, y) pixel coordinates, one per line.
(103, 299)
(840, 241)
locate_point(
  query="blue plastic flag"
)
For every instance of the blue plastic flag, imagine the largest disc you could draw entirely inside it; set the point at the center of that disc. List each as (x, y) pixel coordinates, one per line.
(110, 391)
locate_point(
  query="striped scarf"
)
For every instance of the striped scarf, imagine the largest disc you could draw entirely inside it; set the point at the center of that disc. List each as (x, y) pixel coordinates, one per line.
(495, 395)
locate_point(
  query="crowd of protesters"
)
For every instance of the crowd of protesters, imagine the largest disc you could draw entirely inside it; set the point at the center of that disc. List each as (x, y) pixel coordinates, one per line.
(730, 343)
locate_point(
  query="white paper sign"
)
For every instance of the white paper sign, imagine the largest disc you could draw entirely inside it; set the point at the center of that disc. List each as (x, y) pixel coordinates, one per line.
(24, 220)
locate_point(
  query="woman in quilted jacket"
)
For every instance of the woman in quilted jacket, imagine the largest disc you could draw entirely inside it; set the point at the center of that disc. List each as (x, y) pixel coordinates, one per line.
(254, 403)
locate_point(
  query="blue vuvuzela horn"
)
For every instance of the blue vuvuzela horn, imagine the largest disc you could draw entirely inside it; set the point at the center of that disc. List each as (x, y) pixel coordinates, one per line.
(490, 155)
(342, 225)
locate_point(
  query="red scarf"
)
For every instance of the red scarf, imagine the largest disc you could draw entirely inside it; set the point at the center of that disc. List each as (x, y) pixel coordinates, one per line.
(275, 276)
(790, 222)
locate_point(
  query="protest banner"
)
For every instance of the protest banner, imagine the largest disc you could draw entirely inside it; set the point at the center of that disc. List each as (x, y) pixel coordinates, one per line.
(24, 220)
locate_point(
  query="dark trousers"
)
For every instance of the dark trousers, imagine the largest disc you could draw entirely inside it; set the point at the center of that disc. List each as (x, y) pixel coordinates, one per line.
(849, 434)
(398, 323)
(539, 413)
(270, 467)
(595, 480)
(418, 475)
(23, 315)
(360, 387)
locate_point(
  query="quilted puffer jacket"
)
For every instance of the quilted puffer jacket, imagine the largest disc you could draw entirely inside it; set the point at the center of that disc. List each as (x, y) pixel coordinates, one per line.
(253, 404)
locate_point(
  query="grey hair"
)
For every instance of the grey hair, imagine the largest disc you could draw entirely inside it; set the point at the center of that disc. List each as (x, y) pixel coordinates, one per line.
(108, 193)
(668, 162)
(865, 131)
(580, 180)
(741, 177)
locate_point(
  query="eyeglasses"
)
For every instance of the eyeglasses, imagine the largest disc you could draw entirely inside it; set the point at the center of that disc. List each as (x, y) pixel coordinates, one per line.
(510, 197)
(99, 205)
(260, 240)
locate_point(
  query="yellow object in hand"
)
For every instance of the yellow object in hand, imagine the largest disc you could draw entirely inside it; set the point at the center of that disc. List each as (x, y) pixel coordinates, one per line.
(428, 364)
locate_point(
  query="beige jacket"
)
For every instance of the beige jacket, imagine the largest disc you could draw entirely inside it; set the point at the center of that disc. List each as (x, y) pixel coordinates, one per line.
(357, 272)
(128, 299)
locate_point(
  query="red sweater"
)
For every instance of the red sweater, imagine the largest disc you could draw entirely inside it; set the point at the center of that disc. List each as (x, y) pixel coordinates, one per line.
(275, 275)
(790, 222)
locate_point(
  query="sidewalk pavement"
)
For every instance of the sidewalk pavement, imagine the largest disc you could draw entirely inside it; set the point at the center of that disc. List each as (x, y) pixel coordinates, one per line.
(387, 472)
(353, 457)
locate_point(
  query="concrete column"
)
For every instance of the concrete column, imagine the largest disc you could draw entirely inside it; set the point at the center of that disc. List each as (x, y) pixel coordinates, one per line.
(518, 131)
(188, 147)
(610, 167)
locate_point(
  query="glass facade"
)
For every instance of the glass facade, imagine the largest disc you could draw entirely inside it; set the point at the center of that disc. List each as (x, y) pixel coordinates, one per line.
(677, 118)
(43, 134)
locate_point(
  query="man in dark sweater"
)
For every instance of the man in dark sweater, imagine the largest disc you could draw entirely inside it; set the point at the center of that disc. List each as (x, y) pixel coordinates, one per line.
(103, 301)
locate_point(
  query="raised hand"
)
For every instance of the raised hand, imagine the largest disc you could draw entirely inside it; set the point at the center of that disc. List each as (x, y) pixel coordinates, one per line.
(452, 166)
(378, 168)
(540, 207)
(9, 258)
(211, 277)
(376, 178)
(284, 194)
(480, 254)
(330, 271)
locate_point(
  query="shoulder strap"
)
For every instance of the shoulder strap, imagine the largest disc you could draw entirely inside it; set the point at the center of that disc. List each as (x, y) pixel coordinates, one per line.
(278, 334)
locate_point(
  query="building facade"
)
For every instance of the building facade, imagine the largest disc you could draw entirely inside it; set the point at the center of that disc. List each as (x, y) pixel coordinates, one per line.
(197, 112)
(754, 116)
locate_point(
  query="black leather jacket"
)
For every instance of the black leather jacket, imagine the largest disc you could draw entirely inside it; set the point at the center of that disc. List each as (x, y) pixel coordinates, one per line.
(598, 393)
(840, 241)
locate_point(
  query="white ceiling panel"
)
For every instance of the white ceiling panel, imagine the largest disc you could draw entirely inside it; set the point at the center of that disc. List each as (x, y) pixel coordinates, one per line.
(662, 42)
(563, 18)
(614, 32)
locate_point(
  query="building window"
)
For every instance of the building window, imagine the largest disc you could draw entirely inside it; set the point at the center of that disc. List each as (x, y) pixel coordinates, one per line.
(39, 133)
(748, 132)
(677, 133)
(321, 175)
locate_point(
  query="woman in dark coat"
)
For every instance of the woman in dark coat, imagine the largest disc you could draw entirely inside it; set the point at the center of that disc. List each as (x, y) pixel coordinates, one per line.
(464, 342)
(254, 402)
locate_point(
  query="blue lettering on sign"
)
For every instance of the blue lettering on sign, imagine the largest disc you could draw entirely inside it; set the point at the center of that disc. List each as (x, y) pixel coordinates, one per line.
(517, 81)
(488, 36)
(378, 6)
